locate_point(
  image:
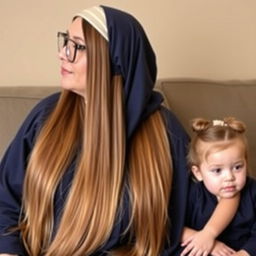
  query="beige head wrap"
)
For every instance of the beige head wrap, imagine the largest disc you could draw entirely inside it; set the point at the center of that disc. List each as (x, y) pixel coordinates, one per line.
(96, 17)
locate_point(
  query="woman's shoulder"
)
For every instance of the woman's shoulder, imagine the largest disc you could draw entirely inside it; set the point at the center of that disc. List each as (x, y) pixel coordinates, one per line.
(46, 104)
(174, 126)
(35, 119)
(15, 158)
(42, 109)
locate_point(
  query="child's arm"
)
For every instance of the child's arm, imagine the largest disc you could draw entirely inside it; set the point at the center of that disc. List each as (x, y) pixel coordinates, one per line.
(203, 240)
(222, 215)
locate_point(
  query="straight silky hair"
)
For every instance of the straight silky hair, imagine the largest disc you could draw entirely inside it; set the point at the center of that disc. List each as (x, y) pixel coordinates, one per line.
(93, 135)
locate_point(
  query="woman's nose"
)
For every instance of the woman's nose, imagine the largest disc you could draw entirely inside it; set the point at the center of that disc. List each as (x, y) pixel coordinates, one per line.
(62, 54)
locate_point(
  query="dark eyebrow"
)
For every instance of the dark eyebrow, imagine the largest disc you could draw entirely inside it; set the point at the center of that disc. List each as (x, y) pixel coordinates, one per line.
(79, 38)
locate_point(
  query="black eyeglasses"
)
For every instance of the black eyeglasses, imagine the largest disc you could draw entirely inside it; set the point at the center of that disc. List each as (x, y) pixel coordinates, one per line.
(71, 47)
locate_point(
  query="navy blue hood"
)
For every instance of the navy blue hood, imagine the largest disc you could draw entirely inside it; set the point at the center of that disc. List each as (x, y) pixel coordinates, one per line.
(134, 59)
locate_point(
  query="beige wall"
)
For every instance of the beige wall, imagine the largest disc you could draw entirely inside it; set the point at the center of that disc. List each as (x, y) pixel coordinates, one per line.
(192, 38)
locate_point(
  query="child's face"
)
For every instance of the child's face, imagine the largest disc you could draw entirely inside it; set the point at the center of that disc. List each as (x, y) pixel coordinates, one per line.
(224, 171)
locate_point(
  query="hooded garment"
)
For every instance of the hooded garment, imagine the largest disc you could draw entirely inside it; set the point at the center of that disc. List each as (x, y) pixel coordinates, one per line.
(133, 58)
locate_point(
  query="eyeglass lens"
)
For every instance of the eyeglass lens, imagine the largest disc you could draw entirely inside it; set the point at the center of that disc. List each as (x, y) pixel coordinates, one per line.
(70, 47)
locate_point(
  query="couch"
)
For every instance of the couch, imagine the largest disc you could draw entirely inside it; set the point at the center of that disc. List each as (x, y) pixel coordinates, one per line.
(188, 98)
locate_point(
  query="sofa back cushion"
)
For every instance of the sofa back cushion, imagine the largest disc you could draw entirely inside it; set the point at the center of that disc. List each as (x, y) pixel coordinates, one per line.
(190, 98)
(15, 104)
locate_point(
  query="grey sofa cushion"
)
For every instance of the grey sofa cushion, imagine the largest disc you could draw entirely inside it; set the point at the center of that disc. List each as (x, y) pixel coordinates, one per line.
(190, 98)
(15, 104)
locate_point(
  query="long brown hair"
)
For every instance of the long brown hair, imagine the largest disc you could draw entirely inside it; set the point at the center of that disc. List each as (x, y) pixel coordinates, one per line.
(97, 131)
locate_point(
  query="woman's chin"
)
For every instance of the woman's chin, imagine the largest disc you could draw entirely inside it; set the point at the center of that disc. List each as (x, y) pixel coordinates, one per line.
(66, 85)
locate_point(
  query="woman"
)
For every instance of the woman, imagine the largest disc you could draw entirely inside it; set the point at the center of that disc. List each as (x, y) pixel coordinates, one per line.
(101, 167)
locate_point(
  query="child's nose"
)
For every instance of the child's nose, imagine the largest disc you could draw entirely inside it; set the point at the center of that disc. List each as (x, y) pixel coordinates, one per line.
(229, 175)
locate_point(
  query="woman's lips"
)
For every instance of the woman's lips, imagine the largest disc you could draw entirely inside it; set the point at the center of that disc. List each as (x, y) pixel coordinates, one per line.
(65, 71)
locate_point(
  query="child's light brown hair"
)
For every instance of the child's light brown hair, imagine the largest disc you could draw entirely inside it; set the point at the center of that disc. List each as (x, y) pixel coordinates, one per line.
(223, 132)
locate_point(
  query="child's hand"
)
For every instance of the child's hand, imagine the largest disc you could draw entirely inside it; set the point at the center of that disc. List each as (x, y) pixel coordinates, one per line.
(6, 254)
(220, 249)
(199, 244)
(240, 253)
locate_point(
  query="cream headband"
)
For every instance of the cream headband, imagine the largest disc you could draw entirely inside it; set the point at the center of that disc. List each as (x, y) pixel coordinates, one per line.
(96, 17)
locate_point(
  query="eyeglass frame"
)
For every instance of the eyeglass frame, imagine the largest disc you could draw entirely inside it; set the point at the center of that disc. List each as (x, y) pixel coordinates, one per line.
(67, 50)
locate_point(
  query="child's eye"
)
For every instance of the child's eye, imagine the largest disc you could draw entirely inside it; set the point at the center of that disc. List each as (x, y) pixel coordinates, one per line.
(238, 166)
(216, 170)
